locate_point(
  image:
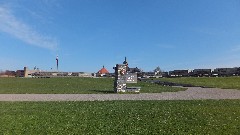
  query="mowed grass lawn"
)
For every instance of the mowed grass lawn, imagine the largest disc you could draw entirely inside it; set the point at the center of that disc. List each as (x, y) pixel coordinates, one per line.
(121, 117)
(70, 86)
(217, 82)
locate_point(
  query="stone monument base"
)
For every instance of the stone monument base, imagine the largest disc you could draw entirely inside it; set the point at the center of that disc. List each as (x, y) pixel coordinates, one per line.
(122, 77)
(133, 89)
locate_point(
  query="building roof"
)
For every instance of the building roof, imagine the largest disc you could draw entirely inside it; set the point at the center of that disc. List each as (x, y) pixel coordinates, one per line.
(103, 71)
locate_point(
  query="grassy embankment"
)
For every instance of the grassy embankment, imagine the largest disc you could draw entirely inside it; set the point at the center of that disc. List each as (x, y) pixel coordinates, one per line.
(217, 82)
(70, 86)
(121, 117)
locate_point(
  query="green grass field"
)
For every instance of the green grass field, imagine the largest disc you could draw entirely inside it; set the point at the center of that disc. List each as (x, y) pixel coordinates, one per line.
(121, 117)
(70, 86)
(218, 82)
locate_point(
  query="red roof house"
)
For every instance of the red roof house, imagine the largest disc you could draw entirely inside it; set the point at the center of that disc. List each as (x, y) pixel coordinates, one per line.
(103, 71)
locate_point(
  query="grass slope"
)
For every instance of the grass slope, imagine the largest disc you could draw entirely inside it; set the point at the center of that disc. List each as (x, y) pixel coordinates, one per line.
(218, 82)
(69, 85)
(121, 117)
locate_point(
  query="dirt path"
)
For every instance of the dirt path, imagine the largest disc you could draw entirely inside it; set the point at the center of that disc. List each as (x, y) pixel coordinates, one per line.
(193, 93)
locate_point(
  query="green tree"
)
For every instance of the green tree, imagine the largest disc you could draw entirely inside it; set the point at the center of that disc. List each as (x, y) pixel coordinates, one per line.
(157, 70)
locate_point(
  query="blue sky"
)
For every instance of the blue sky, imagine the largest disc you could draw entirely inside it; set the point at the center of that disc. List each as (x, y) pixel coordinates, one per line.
(87, 34)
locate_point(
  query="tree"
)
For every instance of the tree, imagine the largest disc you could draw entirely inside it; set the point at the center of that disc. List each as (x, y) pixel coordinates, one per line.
(157, 70)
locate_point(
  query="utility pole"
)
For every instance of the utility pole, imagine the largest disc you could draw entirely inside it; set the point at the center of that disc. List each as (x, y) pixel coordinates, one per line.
(57, 62)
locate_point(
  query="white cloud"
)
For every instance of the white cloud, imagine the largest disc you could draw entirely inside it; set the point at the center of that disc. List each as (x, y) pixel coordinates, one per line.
(11, 25)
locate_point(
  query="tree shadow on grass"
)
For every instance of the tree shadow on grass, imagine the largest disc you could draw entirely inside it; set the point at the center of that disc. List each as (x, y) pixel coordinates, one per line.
(104, 91)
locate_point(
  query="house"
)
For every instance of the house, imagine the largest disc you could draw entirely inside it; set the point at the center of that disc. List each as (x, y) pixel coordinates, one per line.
(8, 73)
(179, 73)
(102, 72)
